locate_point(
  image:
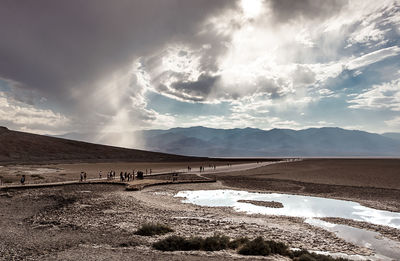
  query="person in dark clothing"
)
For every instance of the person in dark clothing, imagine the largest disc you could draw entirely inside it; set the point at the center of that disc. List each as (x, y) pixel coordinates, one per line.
(23, 179)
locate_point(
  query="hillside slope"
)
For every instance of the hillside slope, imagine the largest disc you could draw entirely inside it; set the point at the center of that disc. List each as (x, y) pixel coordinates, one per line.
(21, 147)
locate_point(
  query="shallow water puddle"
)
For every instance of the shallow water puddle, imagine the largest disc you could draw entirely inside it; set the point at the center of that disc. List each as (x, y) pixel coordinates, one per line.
(385, 248)
(309, 208)
(293, 205)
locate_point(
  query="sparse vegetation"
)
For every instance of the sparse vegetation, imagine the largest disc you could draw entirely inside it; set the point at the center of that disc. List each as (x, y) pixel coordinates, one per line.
(215, 243)
(151, 229)
(257, 247)
(304, 255)
(238, 242)
(178, 243)
(278, 248)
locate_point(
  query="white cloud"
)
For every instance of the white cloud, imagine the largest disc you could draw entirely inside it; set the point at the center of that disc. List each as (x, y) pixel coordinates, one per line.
(373, 57)
(263, 57)
(22, 116)
(380, 97)
(394, 123)
(368, 35)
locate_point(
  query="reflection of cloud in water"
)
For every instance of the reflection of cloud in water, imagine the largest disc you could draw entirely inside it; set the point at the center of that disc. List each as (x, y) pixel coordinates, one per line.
(294, 205)
(386, 249)
(310, 208)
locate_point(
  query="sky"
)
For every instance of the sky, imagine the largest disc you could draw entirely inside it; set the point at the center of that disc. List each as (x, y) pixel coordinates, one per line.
(105, 67)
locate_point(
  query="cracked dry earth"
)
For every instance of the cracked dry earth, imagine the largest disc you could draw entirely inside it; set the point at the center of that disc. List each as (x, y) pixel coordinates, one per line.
(97, 222)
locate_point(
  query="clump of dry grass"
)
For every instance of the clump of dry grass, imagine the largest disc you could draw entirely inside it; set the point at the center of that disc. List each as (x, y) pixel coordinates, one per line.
(151, 229)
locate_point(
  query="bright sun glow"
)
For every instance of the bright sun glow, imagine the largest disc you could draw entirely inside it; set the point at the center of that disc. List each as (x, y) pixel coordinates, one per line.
(251, 8)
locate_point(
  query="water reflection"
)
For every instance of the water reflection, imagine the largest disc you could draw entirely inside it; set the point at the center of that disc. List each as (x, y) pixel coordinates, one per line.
(385, 248)
(310, 208)
(293, 205)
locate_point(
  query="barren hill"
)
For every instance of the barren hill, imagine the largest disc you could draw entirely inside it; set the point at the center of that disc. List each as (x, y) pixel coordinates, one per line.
(21, 147)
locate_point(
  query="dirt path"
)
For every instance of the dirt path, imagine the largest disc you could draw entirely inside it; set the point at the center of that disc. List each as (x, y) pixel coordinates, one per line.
(142, 183)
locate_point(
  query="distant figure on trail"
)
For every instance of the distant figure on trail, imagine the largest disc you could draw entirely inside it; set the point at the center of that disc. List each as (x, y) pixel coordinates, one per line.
(100, 174)
(23, 179)
(151, 171)
(121, 176)
(84, 176)
(81, 176)
(188, 168)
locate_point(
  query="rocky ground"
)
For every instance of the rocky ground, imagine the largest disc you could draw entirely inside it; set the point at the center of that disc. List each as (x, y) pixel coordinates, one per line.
(97, 222)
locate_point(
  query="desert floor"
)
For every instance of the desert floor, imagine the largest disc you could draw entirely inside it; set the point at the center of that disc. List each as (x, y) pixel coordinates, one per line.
(372, 182)
(11, 174)
(97, 222)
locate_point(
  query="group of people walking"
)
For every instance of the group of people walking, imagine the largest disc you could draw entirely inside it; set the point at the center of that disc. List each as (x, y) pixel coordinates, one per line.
(123, 176)
(214, 167)
(127, 176)
(130, 176)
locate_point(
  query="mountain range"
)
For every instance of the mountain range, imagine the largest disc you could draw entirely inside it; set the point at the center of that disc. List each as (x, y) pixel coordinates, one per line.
(252, 142)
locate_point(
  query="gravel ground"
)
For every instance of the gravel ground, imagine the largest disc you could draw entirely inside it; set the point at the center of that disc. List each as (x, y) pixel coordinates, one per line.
(97, 222)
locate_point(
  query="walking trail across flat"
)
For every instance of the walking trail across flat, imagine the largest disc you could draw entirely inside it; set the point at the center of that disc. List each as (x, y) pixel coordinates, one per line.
(147, 182)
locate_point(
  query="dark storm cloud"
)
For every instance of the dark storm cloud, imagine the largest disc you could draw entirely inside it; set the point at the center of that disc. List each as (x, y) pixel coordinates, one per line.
(56, 46)
(286, 10)
(202, 87)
